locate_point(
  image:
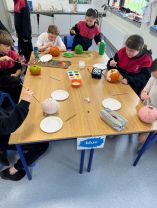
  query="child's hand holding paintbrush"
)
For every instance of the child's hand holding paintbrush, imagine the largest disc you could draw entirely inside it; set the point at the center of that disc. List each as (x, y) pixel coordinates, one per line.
(27, 95)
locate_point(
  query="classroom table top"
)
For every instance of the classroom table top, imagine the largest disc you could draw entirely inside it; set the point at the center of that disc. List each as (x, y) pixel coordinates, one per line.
(87, 121)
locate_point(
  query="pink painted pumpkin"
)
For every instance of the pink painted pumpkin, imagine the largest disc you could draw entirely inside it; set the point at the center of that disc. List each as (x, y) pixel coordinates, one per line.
(148, 114)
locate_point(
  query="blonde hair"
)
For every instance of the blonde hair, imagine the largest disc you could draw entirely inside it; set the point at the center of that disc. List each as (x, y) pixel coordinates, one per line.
(53, 29)
(5, 38)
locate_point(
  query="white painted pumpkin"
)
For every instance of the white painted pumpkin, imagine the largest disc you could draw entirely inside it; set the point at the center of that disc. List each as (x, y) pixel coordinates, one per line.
(50, 106)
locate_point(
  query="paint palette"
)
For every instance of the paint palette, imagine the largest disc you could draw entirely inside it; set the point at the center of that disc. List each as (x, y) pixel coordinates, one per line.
(53, 63)
(74, 75)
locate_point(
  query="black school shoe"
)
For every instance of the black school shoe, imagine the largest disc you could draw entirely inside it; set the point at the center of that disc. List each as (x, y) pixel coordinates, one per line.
(5, 174)
(4, 160)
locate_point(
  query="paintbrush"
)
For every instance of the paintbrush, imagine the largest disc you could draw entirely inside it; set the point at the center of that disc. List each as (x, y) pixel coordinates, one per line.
(55, 78)
(70, 117)
(123, 93)
(32, 95)
(20, 63)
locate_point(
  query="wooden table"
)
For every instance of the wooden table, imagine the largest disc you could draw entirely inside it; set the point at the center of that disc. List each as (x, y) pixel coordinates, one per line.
(87, 121)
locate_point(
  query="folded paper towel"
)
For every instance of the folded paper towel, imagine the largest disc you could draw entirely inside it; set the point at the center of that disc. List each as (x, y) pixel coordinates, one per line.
(113, 119)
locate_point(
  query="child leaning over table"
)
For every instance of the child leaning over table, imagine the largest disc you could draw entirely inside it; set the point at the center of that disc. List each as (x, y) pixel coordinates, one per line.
(133, 61)
(10, 70)
(50, 38)
(150, 93)
(87, 30)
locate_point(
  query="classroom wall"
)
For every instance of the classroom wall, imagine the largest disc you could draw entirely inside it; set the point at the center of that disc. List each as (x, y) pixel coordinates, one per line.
(59, 4)
(119, 23)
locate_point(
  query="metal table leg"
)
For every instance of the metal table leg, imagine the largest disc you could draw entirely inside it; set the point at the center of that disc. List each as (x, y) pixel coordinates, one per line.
(90, 160)
(22, 158)
(82, 161)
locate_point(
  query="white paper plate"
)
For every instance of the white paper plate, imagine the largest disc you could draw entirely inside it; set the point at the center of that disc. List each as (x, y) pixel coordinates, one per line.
(60, 95)
(51, 124)
(46, 58)
(100, 66)
(111, 103)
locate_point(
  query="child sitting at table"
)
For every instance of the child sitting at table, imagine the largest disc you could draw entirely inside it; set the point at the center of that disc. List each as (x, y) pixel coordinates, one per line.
(133, 62)
(50, 38)
(87, 30)
(150, 93)
(9, 122)
(10, 69)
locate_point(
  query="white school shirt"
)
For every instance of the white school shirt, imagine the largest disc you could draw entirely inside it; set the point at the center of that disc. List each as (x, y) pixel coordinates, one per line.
(43, 40)
(151, 89)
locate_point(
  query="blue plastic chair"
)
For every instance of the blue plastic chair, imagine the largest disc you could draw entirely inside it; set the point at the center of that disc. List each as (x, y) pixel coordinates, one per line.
(68, 41)
(151, 139)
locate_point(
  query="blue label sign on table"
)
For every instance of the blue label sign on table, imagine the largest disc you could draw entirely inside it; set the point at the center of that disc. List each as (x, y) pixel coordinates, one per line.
(90, 142)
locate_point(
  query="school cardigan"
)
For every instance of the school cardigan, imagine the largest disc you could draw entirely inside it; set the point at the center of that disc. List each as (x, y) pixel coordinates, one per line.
(85, 35)
(9, 122)
(136, 70)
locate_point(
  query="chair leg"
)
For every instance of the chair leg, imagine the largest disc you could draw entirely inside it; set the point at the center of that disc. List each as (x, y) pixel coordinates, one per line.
(22, 158)
(150, 140)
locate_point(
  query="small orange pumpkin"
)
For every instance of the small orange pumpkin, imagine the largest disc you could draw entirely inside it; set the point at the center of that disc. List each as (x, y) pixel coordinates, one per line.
(113, 75)
(54, 51)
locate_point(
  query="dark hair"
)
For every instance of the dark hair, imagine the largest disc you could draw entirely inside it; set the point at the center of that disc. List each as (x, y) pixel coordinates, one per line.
(5, 38)
(92, 13)
(154, 65)
(135, 42)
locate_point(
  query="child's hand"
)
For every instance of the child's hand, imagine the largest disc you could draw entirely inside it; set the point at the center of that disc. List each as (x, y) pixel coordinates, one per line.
(5, 58)
(18, 72)
(73, 32)
(124, 81)
(49, 45)
(14, 75)
(27, 95)
(113, 63)
(144, 96)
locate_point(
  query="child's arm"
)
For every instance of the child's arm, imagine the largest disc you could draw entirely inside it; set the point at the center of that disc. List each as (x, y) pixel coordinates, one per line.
(5, 58)
(144, 95)
(16, 74)
(74, 30)
(145, 92)
(11, 122)
(112, 63)
(97, 39)
(60, 44)
(40, 43)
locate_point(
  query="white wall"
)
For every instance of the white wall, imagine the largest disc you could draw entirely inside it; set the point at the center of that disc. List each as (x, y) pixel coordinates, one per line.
(59, 4)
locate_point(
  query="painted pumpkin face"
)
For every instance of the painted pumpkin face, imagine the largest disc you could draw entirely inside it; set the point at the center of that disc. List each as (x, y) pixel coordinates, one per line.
(54, 51)
(113, 75)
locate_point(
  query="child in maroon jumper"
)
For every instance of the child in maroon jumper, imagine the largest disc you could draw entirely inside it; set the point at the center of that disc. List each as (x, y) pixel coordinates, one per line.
(133, 62)
(86, 30)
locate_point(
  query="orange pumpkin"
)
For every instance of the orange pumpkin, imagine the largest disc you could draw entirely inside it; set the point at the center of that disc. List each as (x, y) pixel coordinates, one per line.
(54, 51)
(113, 75)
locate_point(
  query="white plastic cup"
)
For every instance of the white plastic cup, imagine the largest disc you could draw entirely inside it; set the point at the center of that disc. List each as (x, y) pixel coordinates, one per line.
(82, 64)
